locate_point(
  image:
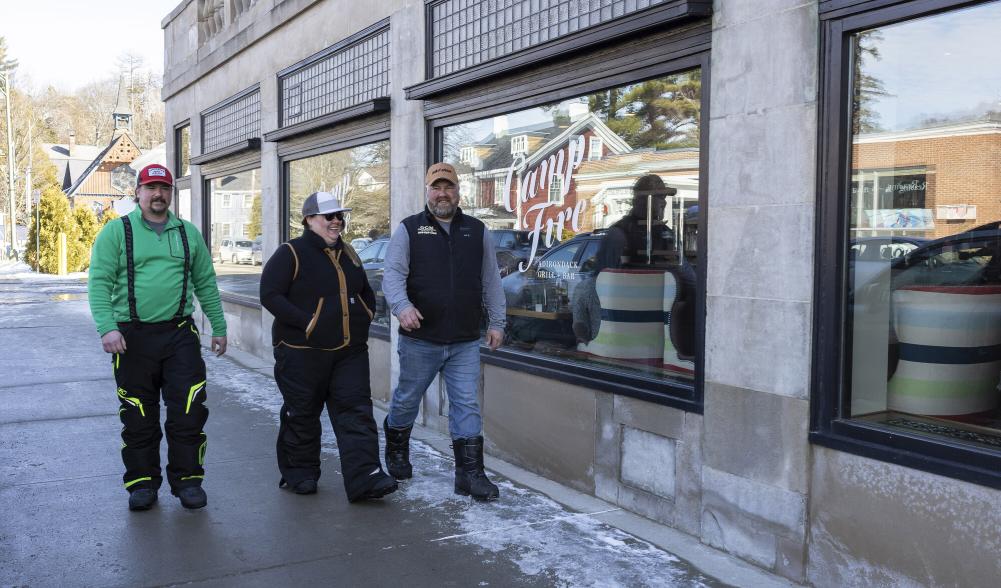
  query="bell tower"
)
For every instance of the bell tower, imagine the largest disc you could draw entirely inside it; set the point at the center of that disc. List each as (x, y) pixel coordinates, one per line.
(122, 113)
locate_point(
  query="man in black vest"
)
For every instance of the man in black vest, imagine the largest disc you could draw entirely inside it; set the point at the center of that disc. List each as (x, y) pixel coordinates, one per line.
(440, 271)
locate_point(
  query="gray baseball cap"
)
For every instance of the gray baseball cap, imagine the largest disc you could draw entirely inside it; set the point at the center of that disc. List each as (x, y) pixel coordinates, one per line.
(322, 203)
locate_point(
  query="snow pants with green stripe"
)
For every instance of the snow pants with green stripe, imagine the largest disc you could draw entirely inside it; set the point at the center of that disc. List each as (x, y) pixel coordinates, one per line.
(161, 359)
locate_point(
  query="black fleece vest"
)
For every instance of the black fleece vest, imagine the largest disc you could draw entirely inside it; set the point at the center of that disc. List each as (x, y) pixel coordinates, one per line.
(445, 281)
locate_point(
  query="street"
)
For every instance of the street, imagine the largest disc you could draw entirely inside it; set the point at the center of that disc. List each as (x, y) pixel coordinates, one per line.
(66, 521)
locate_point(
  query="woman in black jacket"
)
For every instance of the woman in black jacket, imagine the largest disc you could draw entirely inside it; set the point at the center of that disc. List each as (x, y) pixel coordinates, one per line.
(317, 290)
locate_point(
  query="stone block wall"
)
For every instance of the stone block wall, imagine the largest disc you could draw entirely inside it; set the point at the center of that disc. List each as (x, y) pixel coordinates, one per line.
(762, 156)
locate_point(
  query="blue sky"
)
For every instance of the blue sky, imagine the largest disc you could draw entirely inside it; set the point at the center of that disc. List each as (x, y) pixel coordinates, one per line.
(67, 43)
(944, 66)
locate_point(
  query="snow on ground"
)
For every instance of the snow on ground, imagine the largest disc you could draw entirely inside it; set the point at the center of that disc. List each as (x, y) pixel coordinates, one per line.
(19, 301)
(537, 533)
(22, 271)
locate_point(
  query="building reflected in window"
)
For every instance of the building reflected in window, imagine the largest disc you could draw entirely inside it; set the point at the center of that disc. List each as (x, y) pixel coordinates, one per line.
(593, 206)
(924, 233)
(235, 234)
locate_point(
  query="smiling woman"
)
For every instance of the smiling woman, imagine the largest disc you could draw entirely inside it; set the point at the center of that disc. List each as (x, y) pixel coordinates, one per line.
(359, 178)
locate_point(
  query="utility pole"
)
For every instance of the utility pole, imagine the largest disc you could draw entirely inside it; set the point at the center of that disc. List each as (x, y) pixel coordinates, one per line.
(37, 197)
(27, 175)
(12, 232)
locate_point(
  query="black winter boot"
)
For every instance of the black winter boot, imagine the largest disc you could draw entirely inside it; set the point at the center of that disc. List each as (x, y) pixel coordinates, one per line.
(398, 450)
(142, 499)
(470, 479)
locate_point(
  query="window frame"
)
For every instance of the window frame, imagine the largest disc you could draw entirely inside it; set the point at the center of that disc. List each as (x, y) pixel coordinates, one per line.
(554, 189)
(831, 424)
(178, 130)
(593, 141)
(374, 330)
(687, 397)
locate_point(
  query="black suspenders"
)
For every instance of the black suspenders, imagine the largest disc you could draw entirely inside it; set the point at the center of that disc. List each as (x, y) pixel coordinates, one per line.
(184, 282)
(131, 271)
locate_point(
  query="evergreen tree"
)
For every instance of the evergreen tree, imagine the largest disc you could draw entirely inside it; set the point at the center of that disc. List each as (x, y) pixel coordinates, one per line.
(254, 224)
(54, 218)
(866, 88)
(662, 113)
(108, 215)
(87, 228)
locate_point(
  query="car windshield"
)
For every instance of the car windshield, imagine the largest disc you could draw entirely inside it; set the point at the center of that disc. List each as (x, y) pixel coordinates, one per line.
(244, 244)
(961, 261)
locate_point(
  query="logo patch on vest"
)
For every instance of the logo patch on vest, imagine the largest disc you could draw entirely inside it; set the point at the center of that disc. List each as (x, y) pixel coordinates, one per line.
(426, 230)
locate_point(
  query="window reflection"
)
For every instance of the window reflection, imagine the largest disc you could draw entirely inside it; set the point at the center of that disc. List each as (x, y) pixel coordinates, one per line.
(360, 177)
(183, 147)
(924, 238)
(235, 212)
(184, 203)
(593, 207)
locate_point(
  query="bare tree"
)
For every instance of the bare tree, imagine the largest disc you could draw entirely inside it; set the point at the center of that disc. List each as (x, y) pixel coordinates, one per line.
(95, 101)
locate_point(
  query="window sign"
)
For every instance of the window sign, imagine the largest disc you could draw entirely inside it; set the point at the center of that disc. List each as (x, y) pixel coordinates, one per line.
(587, 200)
(359, 177)
(924, 241)
(235, 236)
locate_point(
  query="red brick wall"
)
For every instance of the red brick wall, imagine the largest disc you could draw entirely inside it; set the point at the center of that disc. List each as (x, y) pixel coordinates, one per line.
(961, 170)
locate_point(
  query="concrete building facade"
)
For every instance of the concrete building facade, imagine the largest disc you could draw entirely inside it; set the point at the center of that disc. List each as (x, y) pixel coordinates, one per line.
(722, 405)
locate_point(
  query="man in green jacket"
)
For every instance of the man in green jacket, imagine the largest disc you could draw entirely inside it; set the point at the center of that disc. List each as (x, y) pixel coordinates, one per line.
(143, 271)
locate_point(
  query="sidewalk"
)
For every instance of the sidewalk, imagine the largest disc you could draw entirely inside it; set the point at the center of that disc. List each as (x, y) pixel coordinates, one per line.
(66, 522)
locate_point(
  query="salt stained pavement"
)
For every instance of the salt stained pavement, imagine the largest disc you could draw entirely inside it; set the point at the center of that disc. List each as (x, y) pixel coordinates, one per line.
(537, 533)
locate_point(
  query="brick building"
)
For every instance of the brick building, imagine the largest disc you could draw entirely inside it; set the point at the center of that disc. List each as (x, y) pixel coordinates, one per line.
(950, 171)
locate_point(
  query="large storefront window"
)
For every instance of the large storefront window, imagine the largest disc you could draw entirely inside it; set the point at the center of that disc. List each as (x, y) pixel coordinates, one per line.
(235, 213)
(360, 177)
(924, 241)
(592, 203)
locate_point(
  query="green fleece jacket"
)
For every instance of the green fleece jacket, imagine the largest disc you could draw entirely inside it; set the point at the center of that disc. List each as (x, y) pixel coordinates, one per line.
(159, 268)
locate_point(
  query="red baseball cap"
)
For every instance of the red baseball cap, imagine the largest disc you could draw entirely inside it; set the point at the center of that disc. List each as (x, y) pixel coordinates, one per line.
(154, 173)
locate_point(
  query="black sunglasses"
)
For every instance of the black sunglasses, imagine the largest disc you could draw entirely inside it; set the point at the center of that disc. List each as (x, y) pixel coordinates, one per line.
(332, 215)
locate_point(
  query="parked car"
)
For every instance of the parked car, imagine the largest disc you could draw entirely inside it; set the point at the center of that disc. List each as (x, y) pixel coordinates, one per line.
(236, 251)
(360, 243)
(869, 256)
(969, 258)
(963, 259)
(517, 243)
(372, 258)
(557, 272)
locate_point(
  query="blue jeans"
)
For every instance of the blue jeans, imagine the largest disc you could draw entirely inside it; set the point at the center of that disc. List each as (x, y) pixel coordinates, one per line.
(459, 363)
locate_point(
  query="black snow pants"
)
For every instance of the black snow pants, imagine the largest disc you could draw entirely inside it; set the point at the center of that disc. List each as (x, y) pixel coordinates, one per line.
(309, 379)
(161, 358)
